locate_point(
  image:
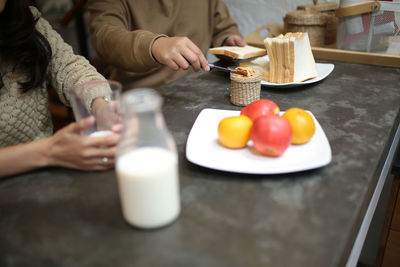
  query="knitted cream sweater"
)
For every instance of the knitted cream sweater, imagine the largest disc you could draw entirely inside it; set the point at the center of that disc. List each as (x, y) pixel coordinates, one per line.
(26, 117)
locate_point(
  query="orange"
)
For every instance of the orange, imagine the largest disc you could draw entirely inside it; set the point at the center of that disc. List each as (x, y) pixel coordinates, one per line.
(302, 123)
(234, 132)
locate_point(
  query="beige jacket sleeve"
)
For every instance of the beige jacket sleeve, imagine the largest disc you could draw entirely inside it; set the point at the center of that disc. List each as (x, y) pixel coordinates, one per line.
(111, 34)
(67, 69)
(224, 25)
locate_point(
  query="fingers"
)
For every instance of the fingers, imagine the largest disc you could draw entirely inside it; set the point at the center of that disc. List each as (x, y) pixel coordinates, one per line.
(195, 57)
(229, 41)
(93, 154)
(172, 64)
(96, 158)
(69, 148)
(204, 63)
(181, 61)
(234, 40)
(179, 53)
(117, 128)
(105, 163)
(77, 127)
(108, 140)
(97, 164)
(240, 42)
(83, 124)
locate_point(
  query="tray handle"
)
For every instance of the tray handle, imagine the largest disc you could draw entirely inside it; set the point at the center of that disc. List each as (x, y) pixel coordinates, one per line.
(256, 39)
(358, 9)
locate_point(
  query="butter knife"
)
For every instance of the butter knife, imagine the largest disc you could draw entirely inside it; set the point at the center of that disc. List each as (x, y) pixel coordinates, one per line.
(212, 66)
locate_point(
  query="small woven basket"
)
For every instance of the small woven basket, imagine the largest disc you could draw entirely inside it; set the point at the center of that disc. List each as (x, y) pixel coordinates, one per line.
(327, 9)
(245, 90)
(308, 20)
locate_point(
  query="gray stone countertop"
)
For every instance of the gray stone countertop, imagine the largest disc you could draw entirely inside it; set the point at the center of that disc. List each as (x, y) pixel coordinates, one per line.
(60, 217)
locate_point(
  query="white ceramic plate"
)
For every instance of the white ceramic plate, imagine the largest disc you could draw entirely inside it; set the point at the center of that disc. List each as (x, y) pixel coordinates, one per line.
(324, 69)
(203, 149)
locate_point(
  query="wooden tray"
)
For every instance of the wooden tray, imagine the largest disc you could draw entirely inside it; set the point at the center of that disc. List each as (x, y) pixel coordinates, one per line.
(329, 53)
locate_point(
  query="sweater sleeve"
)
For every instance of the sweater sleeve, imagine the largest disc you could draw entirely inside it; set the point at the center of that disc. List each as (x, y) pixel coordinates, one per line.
(115, 42)
(67, 69)
(224, 25)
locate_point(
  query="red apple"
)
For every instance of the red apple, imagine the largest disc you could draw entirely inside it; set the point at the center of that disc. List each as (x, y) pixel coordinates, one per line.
(258, 108)
(271, 135)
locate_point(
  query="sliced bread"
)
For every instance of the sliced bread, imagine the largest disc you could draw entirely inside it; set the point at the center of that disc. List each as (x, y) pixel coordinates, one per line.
(238, 52)
(291, 58)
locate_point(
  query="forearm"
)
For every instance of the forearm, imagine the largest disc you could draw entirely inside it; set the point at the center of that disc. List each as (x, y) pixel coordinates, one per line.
(66, 69)
(24, 157)
(128, 50)
(116, 40)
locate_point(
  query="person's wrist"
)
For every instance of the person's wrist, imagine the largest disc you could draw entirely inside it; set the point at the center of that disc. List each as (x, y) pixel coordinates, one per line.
(45, 149)
(97, 103)
(153, 46)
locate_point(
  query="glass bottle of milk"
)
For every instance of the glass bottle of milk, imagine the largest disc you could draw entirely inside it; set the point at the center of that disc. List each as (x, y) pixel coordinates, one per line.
(147, 162)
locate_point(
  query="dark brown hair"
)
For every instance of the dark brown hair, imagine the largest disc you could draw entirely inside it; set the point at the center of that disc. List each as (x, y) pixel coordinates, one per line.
(22, 45)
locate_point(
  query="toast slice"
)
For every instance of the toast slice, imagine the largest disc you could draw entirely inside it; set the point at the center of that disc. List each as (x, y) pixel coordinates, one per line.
(238, 52)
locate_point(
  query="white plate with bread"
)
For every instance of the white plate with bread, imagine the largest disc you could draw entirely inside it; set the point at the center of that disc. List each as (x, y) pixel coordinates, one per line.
(262, 64)
(324, 69)
(289, 61)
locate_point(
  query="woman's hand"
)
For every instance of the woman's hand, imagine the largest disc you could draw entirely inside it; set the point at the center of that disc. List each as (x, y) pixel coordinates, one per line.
(68, 148)
(179, 53)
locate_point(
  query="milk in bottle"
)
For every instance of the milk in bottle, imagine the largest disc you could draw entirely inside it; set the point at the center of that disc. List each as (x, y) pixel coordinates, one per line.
(147, 163)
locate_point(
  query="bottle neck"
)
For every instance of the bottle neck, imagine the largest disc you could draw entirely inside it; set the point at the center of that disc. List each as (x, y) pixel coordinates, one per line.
(143, 123)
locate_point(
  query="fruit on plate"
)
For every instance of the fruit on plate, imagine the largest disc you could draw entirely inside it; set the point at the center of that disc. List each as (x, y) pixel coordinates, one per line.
(260, 107)
(303, 125)
(271, 135)
(234, 131)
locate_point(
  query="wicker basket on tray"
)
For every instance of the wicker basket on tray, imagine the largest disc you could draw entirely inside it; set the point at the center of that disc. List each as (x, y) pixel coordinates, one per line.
(245, 90)
(327, 9)
(307, 20)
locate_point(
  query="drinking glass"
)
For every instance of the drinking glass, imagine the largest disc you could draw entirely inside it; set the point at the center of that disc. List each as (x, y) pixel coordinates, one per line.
(107, 115)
